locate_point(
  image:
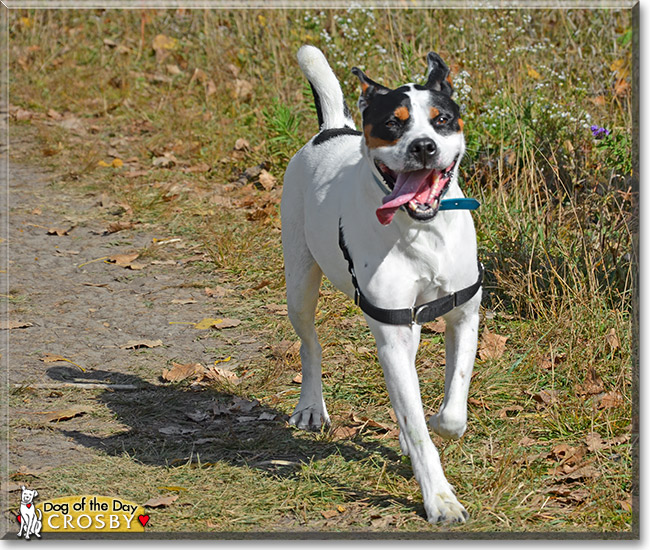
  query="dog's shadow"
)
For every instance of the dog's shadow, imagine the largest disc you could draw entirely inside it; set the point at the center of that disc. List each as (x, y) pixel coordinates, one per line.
(173, 424)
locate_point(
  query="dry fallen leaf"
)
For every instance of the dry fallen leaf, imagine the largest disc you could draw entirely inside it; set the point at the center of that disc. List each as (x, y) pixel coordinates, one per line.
(492, 345)
(592, 385)
(159, 502)
(9, 324)
(612, 339)
(610, 400)
(180, 372)
(328, 514)
(118, 226)
(242, 144)
(217, 292)
(126, 260)
(162, 45)
(208, 322)
(135, 344)
(297, 379)
(267, 180)
(58, 231)
(241, 89)
(344, 432)
(65, 414)
(219, 374)
(277, 309)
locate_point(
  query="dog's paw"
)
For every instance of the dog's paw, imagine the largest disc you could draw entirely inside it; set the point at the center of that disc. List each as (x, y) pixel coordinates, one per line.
(446, 427)
(309, 418)
(445, 508)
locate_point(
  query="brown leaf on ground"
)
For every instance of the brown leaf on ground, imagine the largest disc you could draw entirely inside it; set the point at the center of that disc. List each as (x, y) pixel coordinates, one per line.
(297, 379)
(286, 349)
(544, 397)
(65, 414)
(610, 400)
(135, 344)
(478, 403)
(592, 385)
(217, 292)
(364, 421)
(60, 231)
(492, 346)
(267, 180)
(126, 260)
(510, 412)
(180, 372)
(551, 360)
(241, 89)
(328, 514)
(160, 502)
(10, 324)
(594, 442)
(526, 442)
(118, 226)
(162, 45)
(219, 324)
(438, 327)
(277, 309)
(242, 144)
(612, 340)
(220, 375)
(570, 494)
(344, 432)
(586, 471)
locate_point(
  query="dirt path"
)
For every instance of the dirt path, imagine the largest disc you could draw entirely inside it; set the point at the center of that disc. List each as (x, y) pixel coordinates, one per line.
(81, 320)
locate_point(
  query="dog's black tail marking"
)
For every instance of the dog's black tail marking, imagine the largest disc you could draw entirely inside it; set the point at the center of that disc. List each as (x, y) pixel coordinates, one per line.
(319, 109)
(331, 108)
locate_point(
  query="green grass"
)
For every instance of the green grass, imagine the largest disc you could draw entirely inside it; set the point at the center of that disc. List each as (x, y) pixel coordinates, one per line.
(555, 232)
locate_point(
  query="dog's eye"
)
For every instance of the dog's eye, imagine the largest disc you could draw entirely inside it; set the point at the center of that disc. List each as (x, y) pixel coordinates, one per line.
(440, 121)
(390, 123)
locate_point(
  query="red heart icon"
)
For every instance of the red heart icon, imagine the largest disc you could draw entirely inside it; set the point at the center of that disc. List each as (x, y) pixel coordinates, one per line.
(29, 505)
(19, 518)
(143, 520)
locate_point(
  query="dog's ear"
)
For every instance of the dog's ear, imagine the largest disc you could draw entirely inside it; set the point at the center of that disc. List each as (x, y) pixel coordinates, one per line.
(22, 487)
(438, 78)
(369, 88)
(35, 493)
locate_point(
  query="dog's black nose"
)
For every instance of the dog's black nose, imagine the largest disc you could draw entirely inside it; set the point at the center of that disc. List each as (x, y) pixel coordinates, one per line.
(422, 149)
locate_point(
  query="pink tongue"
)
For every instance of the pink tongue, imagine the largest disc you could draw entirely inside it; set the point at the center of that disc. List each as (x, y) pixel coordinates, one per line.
(408, 186)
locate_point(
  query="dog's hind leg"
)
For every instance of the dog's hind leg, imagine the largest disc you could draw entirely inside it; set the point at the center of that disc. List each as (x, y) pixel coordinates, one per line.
(303, 277)
(461, 336)
(397, 347)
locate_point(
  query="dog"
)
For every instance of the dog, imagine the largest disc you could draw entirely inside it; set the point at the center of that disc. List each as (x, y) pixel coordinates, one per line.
(30, 521)
(364, 209)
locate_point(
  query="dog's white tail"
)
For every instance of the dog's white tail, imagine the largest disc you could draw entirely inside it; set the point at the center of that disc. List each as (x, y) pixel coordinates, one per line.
(332, 110)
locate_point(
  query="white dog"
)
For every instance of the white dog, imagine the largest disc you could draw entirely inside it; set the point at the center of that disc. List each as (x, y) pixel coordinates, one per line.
(366, 209)
(30, 521)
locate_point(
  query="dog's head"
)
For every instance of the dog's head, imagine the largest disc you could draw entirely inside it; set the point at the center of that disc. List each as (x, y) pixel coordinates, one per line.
(414, 136)
(28, 495)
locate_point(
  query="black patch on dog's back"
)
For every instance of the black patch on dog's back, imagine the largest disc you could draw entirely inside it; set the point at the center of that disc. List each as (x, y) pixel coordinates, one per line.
(331, 133)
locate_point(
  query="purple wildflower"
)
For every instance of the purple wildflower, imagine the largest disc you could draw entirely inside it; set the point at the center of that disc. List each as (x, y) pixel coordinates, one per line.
(600, 132)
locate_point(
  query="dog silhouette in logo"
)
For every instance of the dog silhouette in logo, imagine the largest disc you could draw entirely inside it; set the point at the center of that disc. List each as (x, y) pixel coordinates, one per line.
(29, 518)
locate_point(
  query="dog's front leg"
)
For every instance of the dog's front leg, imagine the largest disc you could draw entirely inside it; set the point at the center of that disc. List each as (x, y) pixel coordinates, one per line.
(397, 347)
(461, 336)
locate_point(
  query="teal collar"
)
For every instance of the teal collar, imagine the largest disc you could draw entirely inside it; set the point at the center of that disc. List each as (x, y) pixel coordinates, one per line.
(445, 204)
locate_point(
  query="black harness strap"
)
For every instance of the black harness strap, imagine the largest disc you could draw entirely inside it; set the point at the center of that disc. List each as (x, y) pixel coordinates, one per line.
(408, 316)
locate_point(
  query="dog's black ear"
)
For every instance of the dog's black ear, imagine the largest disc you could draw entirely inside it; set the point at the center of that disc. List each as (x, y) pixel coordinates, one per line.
(438, 78)
(369, 88)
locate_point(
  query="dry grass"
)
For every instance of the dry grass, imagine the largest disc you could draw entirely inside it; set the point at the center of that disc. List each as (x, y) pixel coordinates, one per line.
(555, 232)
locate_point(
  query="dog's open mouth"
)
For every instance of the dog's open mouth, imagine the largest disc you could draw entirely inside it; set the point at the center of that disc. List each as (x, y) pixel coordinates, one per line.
(419, 192)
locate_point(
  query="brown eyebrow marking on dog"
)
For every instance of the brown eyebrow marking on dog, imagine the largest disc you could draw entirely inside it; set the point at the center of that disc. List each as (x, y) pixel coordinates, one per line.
(402, 113)
(461, 124)
(434, 112)
(373, 142)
